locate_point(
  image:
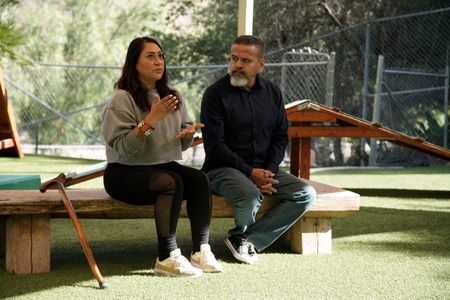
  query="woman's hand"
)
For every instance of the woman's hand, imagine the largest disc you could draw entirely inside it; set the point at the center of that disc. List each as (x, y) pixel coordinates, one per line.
(189, 131)
(161, 108)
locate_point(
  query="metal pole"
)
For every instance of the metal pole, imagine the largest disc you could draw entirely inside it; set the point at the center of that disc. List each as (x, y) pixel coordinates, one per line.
(245, 17)
(36, 143)
(330, 80)
(446, 87)
(283, 77)
(376, 109)
(365, 91)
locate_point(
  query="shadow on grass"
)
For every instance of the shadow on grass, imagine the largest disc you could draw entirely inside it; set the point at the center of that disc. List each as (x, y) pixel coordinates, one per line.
(402, 193)
(381, 171)
(134, 255)
(417, 232)
(371, 230)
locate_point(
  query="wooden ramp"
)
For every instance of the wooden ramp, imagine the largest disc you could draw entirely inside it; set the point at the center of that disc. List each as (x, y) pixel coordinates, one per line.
(9, 137)
(311, 119)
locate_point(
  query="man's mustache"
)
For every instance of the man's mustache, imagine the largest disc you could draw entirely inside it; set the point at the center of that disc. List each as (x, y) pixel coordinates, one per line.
(238, 72)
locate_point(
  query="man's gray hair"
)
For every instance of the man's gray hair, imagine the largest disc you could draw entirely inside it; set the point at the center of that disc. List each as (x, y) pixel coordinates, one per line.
(250, 40)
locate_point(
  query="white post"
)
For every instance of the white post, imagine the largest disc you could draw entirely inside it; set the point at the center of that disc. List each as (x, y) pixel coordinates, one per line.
(330, 79)
(446, 85)
(376, 109)
(245, 19)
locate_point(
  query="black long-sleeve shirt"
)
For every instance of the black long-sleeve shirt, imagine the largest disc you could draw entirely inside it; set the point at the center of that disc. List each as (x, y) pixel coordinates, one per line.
(243, 129)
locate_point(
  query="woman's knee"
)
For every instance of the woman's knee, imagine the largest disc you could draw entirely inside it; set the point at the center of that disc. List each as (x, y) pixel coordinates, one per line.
(166, 183)
(201, 178)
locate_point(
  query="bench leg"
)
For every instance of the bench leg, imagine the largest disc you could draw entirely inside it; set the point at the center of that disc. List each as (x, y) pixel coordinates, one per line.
(28, 244)
(311, 236)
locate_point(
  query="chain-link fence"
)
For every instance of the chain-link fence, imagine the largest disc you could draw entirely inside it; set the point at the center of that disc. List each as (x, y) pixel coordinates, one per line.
(62, 104)
(416, 42)
(412, 102)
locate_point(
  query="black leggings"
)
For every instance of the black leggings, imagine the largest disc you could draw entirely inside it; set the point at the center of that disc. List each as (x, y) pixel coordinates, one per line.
(165, 186)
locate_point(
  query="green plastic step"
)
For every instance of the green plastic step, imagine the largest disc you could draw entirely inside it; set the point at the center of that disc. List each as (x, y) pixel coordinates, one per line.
(20, 182)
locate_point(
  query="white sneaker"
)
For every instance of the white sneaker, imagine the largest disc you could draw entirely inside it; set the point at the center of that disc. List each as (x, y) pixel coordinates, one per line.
(205, 260)
(176, 265)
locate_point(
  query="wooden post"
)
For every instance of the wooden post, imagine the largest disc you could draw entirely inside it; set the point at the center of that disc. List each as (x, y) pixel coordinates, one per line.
(9, 137)
(41, 239)
(28, 244)
(311, 236)
(305, 157)
(295, 156)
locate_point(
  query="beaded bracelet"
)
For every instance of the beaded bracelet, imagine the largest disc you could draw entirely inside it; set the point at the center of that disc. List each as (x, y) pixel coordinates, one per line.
(145, 129)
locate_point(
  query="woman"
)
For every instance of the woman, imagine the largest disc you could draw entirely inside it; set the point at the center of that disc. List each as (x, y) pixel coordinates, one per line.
(145, 126)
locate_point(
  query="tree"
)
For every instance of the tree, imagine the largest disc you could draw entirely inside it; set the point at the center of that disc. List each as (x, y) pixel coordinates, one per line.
(10, 38)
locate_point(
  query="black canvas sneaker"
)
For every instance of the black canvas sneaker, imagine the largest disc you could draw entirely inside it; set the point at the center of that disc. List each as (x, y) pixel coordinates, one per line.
(241, 249)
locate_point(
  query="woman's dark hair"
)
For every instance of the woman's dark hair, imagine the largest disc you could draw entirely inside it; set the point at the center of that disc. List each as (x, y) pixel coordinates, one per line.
(129, 80)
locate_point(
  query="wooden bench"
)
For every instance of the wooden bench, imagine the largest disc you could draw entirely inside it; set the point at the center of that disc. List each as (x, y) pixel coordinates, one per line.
(26, 216)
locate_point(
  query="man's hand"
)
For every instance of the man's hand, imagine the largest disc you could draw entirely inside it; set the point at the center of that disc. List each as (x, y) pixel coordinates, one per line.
(267, 189)
(264, 180)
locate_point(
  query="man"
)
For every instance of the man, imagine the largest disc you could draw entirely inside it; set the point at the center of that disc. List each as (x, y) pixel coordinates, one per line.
(245, 137)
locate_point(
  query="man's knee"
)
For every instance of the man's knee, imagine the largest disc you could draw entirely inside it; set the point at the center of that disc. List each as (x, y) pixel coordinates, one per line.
(307, 195)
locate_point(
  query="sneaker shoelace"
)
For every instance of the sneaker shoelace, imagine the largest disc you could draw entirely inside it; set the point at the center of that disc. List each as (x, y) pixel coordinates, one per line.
(251, 249)
(207, 256)
(181, 261)
(240, 243)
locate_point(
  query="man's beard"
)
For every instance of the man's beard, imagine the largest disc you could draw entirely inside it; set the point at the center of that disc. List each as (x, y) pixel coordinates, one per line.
(237, 80)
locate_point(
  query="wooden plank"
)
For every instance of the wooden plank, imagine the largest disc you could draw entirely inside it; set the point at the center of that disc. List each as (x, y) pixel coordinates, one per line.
(362, 128)
(41, 243)
(96, 203)
(334, 131)
(18, 244)
(6, 143)
(310, 116)
(423, 147)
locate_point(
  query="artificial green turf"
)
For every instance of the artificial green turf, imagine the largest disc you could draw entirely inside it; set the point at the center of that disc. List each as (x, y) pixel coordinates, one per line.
(396, 247)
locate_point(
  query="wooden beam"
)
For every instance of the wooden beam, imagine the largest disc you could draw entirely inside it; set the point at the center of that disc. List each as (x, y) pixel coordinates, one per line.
(310, 116)
(7, 143)
(334, 131)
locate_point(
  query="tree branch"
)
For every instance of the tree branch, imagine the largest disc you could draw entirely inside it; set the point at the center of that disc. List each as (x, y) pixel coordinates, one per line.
(330, 13)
